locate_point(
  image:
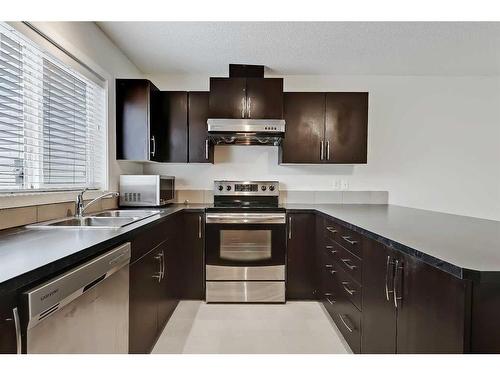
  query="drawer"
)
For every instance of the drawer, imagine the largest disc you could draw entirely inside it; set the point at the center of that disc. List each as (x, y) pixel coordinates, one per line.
(345, 315)
(349, 262)
(335, 279)
(351, 240)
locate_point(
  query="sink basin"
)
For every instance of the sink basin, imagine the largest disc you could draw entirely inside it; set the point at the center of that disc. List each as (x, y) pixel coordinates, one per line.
(112, 219)
(126, 213)
(88, 222)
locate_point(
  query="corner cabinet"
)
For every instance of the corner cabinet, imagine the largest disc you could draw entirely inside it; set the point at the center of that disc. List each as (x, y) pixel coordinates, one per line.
(255, 98)
(325, 128)
(384, 301)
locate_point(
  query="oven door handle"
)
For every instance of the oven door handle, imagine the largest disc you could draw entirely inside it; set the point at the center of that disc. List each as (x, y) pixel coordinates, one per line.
(245, 218)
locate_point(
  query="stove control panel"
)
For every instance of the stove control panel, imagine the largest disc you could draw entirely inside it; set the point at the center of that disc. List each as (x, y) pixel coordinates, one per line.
(266, 188)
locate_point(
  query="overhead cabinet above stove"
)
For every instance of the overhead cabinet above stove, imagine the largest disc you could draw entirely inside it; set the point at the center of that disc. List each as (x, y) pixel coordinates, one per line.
(249, 97)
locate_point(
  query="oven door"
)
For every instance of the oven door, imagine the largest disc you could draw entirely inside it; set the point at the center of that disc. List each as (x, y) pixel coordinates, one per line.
(245, 239)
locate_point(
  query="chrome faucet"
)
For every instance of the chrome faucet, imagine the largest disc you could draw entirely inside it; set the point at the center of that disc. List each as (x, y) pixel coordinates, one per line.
(80, 208)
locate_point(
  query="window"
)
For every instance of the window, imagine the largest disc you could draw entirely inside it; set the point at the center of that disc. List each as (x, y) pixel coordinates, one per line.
(52, 121)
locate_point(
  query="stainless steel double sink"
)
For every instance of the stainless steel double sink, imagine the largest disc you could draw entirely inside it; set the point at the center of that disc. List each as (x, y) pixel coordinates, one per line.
(102, 220)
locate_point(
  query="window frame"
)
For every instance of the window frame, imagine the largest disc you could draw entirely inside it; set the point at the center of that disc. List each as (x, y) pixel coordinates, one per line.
(53, 51)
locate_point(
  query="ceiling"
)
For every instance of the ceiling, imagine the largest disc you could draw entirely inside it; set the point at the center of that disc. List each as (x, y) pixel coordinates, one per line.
(296, 48)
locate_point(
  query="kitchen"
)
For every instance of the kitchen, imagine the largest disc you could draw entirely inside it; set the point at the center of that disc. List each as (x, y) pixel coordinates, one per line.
(249, 200)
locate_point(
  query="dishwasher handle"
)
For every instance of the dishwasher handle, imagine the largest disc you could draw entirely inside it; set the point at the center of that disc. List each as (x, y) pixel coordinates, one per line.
(56, 293)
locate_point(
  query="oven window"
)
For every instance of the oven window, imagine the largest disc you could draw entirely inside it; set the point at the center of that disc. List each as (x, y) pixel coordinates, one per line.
(245, 245)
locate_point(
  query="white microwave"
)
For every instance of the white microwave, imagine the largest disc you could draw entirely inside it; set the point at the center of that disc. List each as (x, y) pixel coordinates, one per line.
(146, 190)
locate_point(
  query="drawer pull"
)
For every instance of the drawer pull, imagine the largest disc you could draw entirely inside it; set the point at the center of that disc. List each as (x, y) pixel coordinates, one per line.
(331, 230)
(348, 265)
(330, 301)
(350, 291)
(348, 239)
(329, 247)
(344, 322)
(329, 267)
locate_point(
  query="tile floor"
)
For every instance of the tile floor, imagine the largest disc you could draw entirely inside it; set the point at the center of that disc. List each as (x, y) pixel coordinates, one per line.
(295, 327)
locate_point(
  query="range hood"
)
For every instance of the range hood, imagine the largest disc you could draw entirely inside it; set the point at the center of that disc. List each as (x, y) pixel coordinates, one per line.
(246, 131)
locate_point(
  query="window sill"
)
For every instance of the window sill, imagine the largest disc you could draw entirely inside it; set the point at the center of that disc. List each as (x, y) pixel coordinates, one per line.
(13, 200)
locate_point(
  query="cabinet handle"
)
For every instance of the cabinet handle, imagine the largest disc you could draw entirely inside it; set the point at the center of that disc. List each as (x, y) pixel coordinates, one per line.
(243, 106)
(157, 276)
(249, 109)
(398, 267)
(387, 268)
(330, 301)
(289, 227)
(344, 322)
(331, 230)
(17, 326)
(327, 150)
(348, 239)
(331, 249)
(348, 265)
(206, 148)
(350, 291)
(321, 150)
(153, 141)
(329, 267)
(199, 226)
(164, 264)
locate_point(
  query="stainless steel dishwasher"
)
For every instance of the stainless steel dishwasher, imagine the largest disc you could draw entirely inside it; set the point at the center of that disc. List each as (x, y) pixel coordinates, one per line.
(84, 310)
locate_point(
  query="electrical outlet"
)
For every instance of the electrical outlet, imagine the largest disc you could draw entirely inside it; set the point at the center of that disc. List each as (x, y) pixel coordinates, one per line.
(344, 185)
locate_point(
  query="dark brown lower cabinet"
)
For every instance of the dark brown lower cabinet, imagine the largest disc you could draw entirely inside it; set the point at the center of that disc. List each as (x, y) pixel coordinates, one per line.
(300, 278)
(410, 306)
(379, 313)
(431, 309)
(8, 343)
(192, 277)
(143, 303)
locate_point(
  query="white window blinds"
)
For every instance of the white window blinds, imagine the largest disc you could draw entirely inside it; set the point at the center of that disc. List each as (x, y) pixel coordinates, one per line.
(52, 121)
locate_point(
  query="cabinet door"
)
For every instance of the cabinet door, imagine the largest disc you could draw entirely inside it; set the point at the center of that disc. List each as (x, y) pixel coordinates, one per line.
(431, 315)
(8, 344)
(200, 149)
(168, 297)
(144, 294)
(265, 98)
(304, 113)
(173, 125)
(300, 282)
(192, 279)
(379, 312)
(346, 127)
(133, 102)
(227, 97)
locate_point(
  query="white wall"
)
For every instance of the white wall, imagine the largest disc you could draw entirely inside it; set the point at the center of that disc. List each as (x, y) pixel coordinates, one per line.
(433, 143)
(87, 42)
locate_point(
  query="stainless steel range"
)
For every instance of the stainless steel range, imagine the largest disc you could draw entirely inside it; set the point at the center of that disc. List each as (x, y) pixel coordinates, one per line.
(245, 243)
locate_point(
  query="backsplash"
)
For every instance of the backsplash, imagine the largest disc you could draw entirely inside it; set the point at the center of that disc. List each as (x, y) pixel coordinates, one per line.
(298, 196)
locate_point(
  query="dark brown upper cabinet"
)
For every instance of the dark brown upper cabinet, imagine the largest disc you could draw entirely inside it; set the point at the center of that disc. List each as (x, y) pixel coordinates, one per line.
(255, 98)
(304, 114)
(200, 148)
(346, 127)
(138, 133)
(173, 113)
(326, 128)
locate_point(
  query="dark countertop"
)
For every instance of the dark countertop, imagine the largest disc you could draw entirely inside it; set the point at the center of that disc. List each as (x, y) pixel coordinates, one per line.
(463, 246)
(24, 250)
